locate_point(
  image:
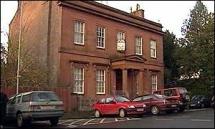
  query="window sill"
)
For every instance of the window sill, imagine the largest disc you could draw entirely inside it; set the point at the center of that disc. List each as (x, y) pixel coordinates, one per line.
(153, 57)
(100, 93)
(102, 48)
(78, 93)
(81, 44)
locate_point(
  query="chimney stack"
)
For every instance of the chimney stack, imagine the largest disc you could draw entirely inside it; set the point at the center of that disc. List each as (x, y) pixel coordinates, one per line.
(138, 12)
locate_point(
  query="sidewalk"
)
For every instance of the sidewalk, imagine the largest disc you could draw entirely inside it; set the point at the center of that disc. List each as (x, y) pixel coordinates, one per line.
(78, 115)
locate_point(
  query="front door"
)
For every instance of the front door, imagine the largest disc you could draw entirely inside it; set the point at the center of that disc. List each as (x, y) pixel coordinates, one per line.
(132, 82)
(119, 90)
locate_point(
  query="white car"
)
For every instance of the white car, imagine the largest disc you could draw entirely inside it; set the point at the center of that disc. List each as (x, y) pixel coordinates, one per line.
(35, 105)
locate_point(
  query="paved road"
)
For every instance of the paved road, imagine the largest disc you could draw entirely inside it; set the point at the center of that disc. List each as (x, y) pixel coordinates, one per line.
(190, 119)
(195, 118)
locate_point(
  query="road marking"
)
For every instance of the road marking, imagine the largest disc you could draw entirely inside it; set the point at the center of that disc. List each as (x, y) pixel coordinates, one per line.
(135, 118)
(163, 119)
(102, 120)
(72, 126)
(88, 122)
(75, 122)
(66, 121)
(193, 110)
(116, 119)
(200, 120)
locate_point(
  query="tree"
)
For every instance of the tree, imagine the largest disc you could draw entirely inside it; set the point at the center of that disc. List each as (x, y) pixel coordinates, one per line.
(171, 68)
(3, 63)
(32, 73)
(195, 52)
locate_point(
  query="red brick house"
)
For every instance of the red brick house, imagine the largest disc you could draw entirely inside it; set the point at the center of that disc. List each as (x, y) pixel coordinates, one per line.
(94, 49)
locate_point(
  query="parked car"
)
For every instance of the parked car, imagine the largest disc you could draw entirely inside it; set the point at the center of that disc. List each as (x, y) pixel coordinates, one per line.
(212, 102)
(156, 103)
(35, 105)
(178, 94)
(118, 105)
(199, 101)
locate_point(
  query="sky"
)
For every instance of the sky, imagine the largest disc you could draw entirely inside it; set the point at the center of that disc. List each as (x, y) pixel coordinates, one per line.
(170, 14)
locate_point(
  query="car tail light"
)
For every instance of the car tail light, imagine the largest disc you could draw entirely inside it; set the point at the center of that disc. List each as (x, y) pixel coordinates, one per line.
(164, 101)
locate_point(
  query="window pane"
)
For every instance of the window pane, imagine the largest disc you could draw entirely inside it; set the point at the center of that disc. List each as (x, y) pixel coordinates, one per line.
(100, 80)
(100, 37)
(78, 80)
(79, 32)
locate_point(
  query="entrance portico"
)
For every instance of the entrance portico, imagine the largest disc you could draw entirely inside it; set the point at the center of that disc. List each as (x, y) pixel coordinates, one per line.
(127, 75)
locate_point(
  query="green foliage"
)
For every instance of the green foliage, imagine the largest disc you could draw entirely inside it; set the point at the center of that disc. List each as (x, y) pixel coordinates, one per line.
(195, 52)
(171, 68)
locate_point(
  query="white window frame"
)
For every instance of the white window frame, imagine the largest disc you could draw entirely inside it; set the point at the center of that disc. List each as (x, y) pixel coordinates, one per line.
(153, 49)
(139, 45)
(120, 36)
(99, 81)
(75, 88)
(79, 32)
(102, 32)
(154, 82)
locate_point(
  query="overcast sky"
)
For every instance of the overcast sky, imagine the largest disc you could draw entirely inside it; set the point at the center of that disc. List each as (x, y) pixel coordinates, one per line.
(170, 14)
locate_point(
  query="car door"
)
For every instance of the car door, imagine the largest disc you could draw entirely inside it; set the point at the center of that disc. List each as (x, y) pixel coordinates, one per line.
(10, 111)
(146, 100)
(110, 106)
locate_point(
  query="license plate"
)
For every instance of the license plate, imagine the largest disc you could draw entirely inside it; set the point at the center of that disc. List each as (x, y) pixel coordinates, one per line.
(192, 104)
(47, 107)
(173, 105)
(140, 109)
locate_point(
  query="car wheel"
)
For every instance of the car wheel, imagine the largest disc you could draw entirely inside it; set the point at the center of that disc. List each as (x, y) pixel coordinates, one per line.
(181, 109)
(19, 120)
(97, 114)
(122, 113)
(54, 121)
(155, 110)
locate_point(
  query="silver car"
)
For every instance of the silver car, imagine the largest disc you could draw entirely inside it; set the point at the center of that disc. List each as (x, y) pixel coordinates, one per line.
(35, 105)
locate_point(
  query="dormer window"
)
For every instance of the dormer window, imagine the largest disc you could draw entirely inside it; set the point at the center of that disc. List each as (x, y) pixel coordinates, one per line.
(121, 41)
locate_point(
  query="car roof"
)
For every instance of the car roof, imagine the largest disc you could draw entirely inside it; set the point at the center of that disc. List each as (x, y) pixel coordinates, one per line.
(29, 92)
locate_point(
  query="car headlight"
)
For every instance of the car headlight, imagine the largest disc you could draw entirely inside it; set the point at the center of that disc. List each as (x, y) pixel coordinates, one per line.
(131, 106)
(144, 105)
(198, 102)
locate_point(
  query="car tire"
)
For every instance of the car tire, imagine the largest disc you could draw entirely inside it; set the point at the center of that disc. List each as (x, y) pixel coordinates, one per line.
(97, 114)
(155, 110)
(19, 120)
(54, 121)
(122, 113)
(181, 109)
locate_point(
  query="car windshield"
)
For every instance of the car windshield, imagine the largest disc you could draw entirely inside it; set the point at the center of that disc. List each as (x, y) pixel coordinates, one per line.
(160, 96)
(121, 99)
(196, 98)
(44, 96)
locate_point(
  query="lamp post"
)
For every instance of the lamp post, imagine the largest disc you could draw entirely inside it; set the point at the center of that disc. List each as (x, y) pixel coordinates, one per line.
(18, 60)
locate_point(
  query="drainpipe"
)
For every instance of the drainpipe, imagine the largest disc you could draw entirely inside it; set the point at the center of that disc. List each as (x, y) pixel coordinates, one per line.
(19, 47)
(48, 42)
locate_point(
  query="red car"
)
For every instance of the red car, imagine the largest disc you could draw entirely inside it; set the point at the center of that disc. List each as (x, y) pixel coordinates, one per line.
(118, 105)
(177, 94)
(156, 103)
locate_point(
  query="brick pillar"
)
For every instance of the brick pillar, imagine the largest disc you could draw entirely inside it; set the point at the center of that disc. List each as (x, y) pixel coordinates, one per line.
(125, 82)
(113, 82)
(140, 88)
